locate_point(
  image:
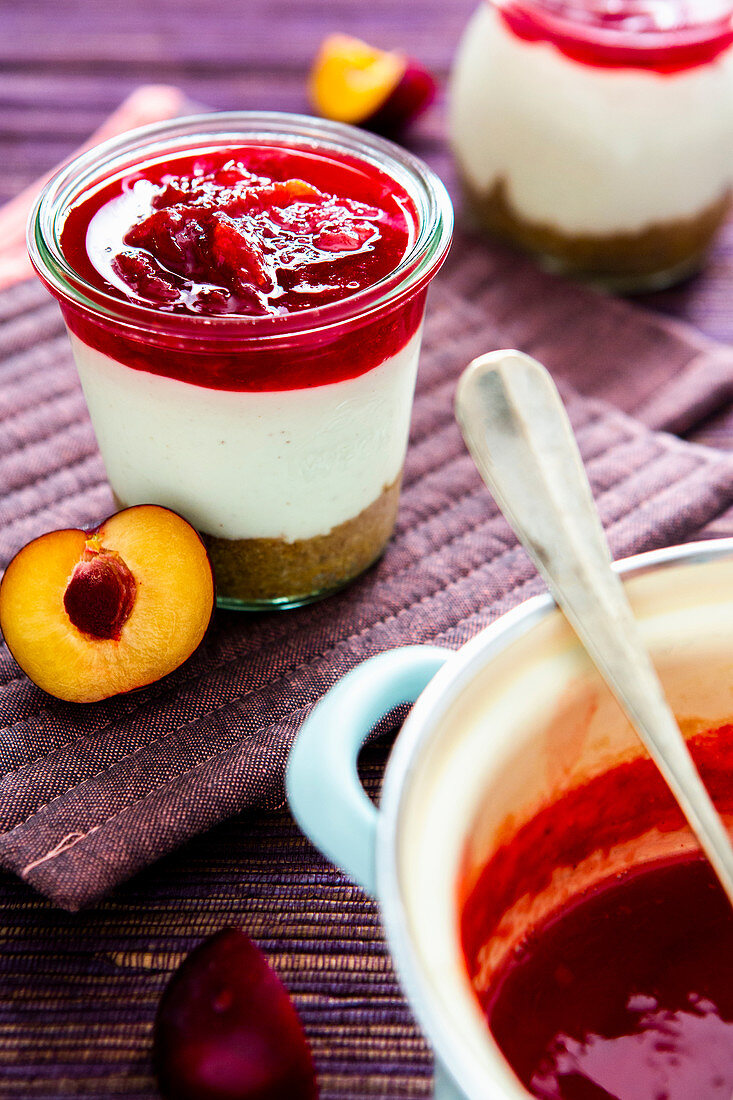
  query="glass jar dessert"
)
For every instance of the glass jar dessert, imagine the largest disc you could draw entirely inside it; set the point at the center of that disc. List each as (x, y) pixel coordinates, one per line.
(597, 133)
(244, 296)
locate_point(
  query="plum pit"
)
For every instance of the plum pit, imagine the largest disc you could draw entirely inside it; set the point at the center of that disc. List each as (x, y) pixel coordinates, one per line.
(100, 595)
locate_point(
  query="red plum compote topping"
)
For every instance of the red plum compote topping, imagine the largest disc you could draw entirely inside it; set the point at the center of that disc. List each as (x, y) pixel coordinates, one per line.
(666, 37)
(251, 230)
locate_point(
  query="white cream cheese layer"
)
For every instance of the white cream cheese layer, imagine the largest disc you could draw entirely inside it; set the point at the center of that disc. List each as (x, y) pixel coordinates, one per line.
(287, 465)
(584, 149)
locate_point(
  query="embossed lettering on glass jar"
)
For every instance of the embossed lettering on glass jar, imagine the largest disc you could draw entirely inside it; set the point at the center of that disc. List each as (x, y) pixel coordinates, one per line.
(244, 295)
(598, 135)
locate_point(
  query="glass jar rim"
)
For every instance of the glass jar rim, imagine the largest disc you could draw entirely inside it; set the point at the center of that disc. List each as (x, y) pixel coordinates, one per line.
(89, 170)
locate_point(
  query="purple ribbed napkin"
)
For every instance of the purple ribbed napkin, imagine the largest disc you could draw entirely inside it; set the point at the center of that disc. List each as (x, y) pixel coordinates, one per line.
(91, 794)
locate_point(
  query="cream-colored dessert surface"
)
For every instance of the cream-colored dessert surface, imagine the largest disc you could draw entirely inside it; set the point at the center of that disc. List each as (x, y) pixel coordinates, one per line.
(588, 150)
(285, 465)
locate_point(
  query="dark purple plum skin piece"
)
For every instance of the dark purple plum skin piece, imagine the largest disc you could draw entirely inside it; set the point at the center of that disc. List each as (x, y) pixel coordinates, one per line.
(226, 1028)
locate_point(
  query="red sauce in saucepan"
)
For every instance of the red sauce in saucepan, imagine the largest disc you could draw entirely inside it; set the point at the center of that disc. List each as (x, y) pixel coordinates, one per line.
(627, 991)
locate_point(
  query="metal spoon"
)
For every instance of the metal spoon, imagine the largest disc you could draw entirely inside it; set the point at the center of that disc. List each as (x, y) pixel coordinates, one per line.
(519, 435)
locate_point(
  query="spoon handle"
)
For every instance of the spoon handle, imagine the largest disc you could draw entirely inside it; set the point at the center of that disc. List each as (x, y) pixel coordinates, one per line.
(519, 435)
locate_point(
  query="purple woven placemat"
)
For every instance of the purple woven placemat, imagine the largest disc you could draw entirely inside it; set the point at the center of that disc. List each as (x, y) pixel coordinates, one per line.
(79, 991)
(92, 794)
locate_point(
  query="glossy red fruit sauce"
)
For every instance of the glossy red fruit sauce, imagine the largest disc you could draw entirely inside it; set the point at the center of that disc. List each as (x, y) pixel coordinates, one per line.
(244, 233)
(627, 991)
(250, 231)
(664, 36)
(627, 994)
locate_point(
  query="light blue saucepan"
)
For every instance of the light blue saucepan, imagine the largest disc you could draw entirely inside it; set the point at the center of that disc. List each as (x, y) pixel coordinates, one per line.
(496, 730)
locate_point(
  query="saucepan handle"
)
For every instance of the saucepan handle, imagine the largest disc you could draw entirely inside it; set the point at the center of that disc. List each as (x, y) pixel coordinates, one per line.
(322, 782)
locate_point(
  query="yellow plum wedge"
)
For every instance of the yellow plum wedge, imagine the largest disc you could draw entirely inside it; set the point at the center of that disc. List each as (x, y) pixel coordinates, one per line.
(90, 614)
(354, 82)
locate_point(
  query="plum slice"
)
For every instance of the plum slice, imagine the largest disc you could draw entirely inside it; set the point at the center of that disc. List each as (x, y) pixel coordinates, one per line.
(382, 90)
(226, 1028)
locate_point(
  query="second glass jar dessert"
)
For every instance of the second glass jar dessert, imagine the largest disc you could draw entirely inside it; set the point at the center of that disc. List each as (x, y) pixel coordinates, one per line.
(597, 134)
(244, 295)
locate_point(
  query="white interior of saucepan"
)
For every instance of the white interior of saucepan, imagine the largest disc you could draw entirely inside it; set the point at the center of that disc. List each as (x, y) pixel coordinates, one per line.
(515, 720)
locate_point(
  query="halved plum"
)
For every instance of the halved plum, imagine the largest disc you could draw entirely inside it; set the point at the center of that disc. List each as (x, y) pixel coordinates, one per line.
(89, 614)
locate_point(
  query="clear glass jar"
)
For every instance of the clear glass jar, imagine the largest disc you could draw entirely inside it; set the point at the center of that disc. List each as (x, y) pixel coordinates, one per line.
(280, 438)
(598, 134)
